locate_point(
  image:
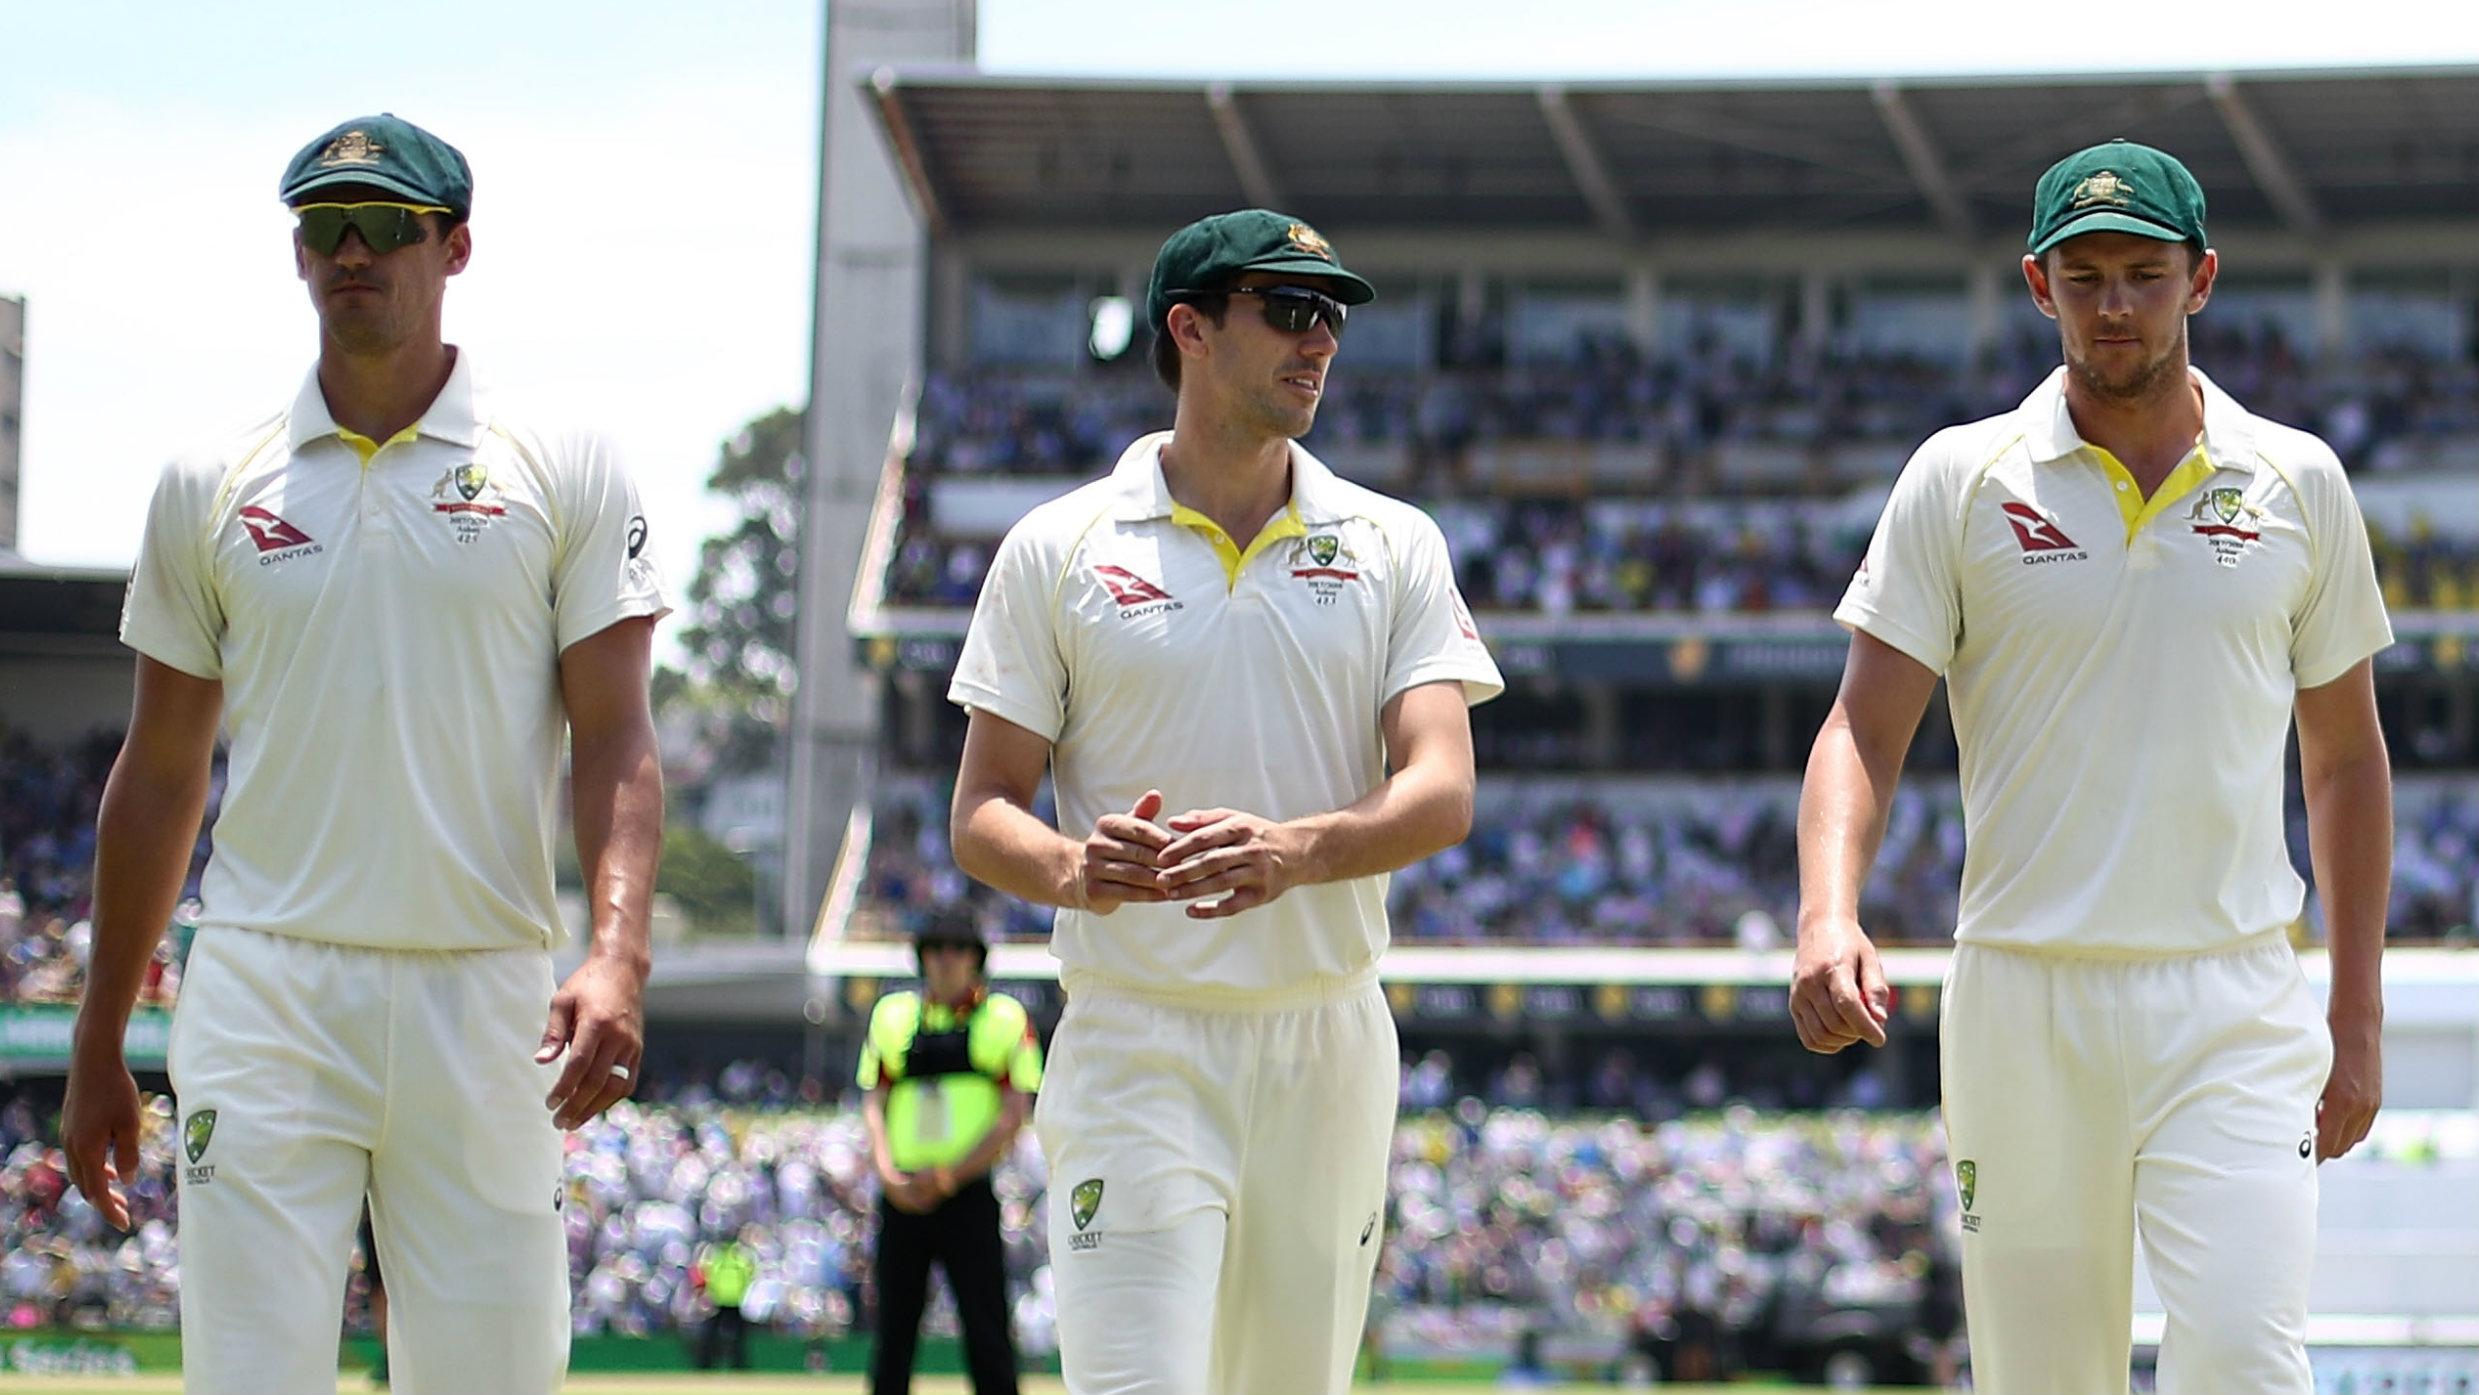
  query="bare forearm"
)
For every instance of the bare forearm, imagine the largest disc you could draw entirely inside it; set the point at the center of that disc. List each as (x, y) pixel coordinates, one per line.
(617, 804)
(1418, 812)
(1003, 845)
(1842, 812)
(2350, 839)
(143, 836)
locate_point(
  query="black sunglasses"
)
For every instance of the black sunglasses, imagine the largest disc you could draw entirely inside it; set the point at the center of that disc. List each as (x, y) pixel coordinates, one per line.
(384, 226)
(1291, 309)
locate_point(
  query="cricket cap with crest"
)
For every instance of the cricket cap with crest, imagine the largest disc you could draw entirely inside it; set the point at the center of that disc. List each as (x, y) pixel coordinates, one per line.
(2117, 186)
(1209, 254)
(383, 152)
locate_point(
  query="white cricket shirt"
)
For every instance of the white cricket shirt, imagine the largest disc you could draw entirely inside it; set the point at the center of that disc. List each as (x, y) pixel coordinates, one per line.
(2122, 672)
(388, 633)
(1153, 653)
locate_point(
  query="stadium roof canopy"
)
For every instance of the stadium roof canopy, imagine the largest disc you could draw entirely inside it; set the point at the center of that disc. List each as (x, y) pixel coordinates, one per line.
(2307, 152)
(40, 599)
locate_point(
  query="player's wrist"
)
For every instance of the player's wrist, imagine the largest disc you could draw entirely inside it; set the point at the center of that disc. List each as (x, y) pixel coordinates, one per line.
(625, 953)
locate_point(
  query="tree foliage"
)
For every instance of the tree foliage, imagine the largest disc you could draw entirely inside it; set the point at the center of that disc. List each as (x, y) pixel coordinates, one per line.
(738, 670)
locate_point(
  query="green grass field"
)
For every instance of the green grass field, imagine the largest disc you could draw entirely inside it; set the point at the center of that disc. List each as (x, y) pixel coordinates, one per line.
(781, 1385)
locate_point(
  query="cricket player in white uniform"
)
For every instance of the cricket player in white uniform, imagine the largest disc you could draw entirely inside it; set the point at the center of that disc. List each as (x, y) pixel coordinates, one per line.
(396, 596)
(2131, 586)
(1245, 739)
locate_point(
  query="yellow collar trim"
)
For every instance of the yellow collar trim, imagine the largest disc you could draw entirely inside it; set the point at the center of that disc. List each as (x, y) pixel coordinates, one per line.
(2138, 511)
(1283, 525)
(364, 447)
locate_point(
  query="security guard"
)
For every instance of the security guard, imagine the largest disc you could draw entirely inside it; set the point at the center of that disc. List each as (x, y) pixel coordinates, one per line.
(950, 1072)
(727, 1268)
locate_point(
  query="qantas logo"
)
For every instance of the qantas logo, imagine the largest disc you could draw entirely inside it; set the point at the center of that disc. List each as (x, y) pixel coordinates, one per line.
(1135, 595)
(270, 532)
(2042, 539)
(277, 540)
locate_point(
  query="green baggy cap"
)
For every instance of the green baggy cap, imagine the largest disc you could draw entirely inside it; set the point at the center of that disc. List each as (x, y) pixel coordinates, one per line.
(1210, 253)
(385, 152)
(2117, 186)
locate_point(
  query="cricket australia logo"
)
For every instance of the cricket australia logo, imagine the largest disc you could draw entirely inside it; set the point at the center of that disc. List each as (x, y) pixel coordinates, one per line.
(196, 1134)
(1967, 1183)
(2228, 523)
(467, 499)
(1083, 1203)
(1321, 560)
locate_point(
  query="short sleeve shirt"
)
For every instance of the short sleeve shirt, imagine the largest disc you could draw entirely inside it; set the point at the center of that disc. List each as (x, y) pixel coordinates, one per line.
(388, 632)
(938, 1120)
(1153, 654)
(2122, 672)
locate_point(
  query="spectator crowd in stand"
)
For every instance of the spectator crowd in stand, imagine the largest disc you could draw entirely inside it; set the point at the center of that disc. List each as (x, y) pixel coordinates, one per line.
(1717, 868)
(48, 800)
(2375, 408)
(1620, 1201)
(1720, 554)
(1557, 557)
(1497, 1209)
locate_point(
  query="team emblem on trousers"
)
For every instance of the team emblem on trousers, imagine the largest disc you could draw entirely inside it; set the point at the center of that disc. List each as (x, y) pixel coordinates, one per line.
(1082, 1204)
(198, 1133)
(1084, 1201)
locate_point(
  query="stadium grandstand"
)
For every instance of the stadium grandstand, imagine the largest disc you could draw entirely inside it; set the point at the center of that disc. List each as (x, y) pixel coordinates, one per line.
(1651, 354)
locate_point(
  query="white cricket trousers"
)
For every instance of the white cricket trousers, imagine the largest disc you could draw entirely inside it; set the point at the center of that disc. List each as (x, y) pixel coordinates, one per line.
(2089, 1099)
(309, 1074)
(1217, 1189)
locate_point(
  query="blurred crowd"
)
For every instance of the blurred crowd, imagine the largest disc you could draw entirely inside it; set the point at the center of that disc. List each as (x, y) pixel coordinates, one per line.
(1556, 556)
(1505, 1220)
(2374, 408)
(63, 1265)
(1594, 1220)
(1622, 1200)
(1716, 864)
(48, 802)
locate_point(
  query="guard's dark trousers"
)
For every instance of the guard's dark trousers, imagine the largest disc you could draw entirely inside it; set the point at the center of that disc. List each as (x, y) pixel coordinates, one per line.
(961, 1237)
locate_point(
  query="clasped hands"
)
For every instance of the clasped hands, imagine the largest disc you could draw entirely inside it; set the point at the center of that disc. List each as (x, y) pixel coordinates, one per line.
(1195, 857)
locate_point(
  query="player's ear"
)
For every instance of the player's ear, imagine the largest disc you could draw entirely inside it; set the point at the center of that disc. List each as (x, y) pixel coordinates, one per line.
(2207, 270)
(2036, 276)
(1187, 326)
(460, 247)
(301, 257)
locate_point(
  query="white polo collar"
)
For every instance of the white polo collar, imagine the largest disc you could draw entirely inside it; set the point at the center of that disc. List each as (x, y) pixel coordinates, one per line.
(1144, 496)
(2049, 434)
(450, 417)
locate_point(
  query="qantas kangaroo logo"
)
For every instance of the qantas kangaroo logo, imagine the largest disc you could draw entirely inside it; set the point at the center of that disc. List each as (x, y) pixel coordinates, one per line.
(2042, 540)
(271, 533)
(277, 541)
(2034, 532)
(1131, 590)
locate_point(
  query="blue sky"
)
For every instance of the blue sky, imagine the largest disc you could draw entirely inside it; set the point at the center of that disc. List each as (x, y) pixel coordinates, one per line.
(645, 176)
